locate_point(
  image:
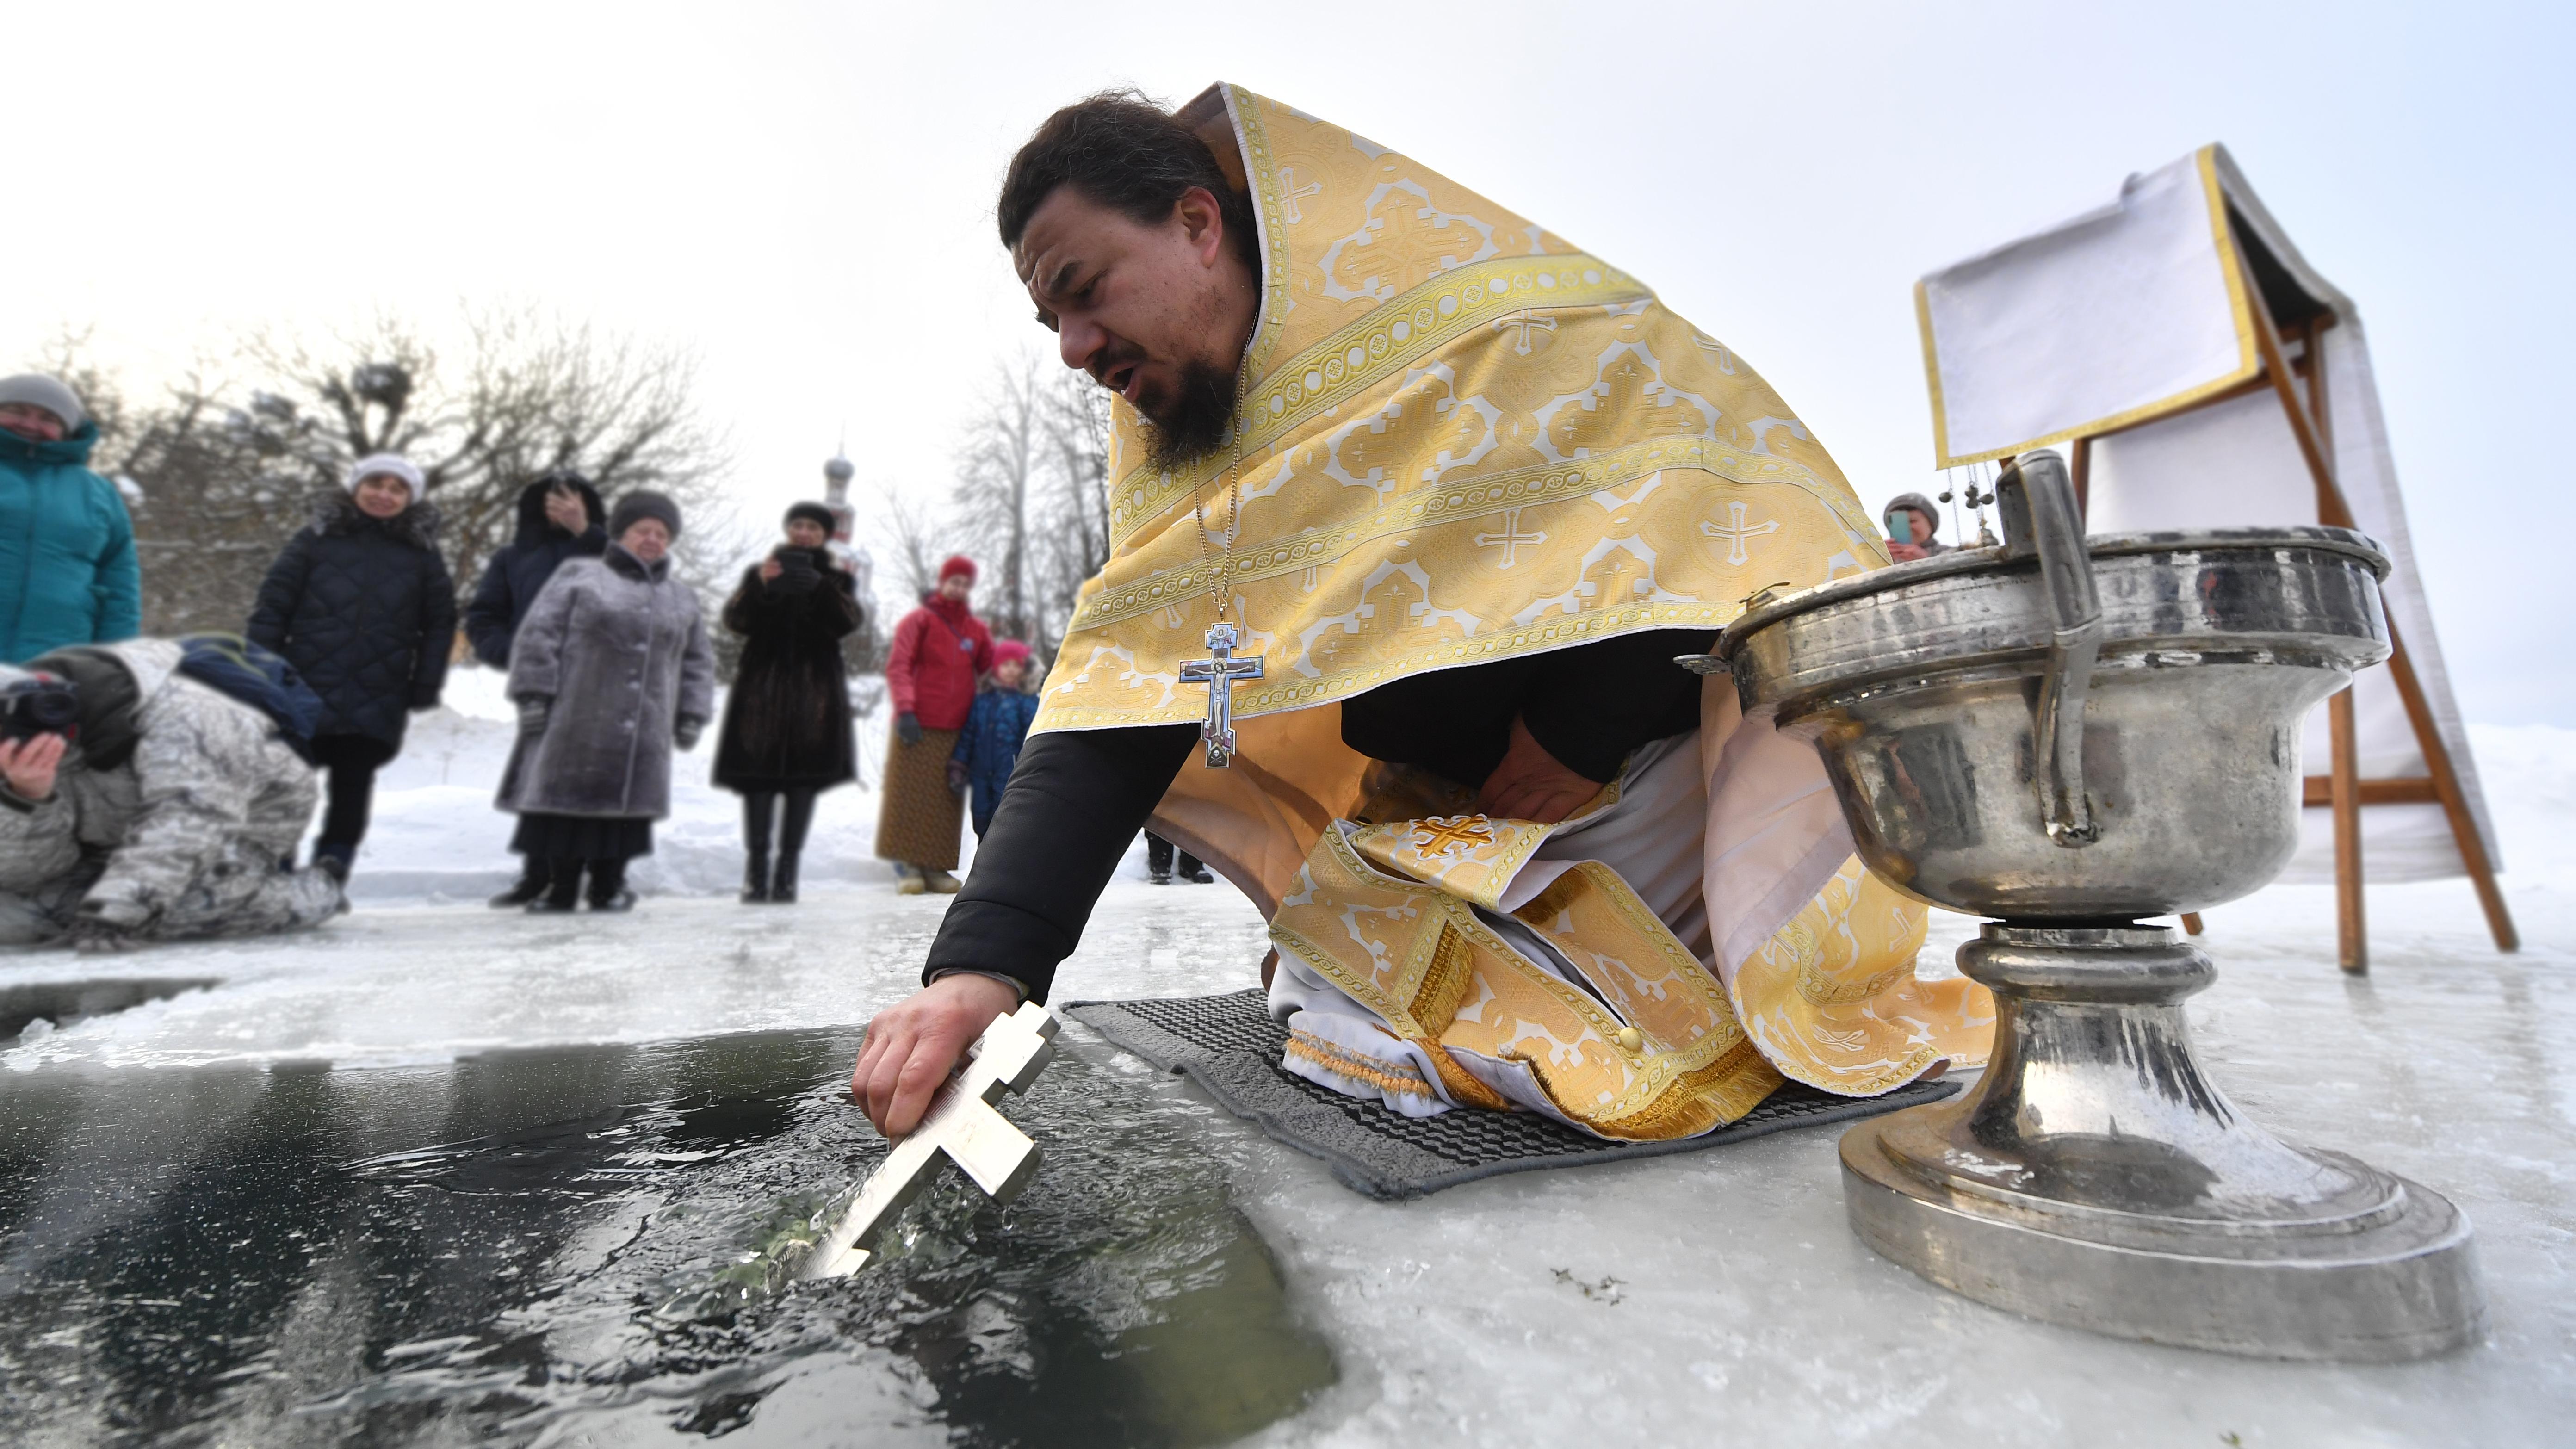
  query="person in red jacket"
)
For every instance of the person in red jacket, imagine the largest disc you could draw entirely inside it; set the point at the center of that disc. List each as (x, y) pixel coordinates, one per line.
(940, 650)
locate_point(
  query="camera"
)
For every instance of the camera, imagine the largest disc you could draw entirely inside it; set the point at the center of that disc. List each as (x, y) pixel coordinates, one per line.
(38, 704)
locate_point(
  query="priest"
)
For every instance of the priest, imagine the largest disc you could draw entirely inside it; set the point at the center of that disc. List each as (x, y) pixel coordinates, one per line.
(1414, 503)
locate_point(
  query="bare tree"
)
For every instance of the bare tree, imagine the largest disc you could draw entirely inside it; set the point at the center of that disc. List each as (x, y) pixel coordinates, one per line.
(998, 482)
(1076, 415)
(537, 392)
(1032, 496)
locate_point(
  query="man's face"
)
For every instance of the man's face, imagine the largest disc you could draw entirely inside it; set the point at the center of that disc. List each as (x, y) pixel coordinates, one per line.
(1155, 313)
(955, 587)
(31, 422)
(804, 533)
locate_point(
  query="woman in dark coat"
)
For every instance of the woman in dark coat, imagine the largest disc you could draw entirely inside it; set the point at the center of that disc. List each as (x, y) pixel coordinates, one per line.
(610, 671)
(787, 725)
(361, 604)
(560, 518)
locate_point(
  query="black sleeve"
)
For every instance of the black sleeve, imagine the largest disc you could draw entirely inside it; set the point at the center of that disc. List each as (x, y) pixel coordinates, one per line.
(487, 618)
(1074, 802)
(1590, 706)
(437, 632)
(279, 593)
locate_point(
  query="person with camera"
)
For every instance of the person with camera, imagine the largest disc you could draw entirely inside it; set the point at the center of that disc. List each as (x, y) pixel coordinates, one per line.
(361, 605)
(138, 802)
(786, 735)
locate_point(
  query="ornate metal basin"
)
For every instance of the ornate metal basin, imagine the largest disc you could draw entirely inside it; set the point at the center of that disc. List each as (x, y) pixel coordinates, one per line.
(1922, 686)
(2074, 734)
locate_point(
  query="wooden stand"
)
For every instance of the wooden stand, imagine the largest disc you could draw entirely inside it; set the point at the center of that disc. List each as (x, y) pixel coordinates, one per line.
(2343, 788)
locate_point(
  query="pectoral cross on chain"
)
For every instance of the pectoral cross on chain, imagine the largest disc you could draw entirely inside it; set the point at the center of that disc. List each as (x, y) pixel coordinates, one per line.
(962, 1123)
(1219, 675)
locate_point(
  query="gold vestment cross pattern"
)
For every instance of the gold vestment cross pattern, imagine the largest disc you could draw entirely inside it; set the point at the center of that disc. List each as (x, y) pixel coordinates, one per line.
(1443, 834)
(962, 1123)
(1219, 674)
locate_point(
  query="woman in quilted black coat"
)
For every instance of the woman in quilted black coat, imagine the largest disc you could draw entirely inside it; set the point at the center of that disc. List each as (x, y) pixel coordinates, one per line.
(786, 731)
(361, 604)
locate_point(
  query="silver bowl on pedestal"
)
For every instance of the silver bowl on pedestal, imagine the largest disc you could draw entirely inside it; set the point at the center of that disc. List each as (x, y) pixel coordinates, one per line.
(2072, 736)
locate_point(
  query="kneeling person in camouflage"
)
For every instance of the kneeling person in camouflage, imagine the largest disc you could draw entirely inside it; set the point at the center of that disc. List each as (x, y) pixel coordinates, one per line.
(139, 804)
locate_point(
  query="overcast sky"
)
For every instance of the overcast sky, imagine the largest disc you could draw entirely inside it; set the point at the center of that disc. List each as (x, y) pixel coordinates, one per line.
(802, 194)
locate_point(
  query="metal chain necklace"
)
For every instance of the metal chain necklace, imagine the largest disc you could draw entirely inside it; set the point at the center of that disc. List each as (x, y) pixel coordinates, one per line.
(1221, 669)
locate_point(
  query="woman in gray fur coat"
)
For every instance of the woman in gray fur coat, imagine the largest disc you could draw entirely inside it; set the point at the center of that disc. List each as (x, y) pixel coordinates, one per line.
(610, 669)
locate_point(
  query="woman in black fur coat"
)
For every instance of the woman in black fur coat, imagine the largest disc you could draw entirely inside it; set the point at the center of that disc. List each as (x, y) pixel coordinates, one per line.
(786, 734)
(361, 604)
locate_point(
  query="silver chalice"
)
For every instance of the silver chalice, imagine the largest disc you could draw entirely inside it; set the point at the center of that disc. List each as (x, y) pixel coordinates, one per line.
(2071, 736)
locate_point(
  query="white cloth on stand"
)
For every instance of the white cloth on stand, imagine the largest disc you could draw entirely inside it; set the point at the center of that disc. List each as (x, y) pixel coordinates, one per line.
(2116, 323)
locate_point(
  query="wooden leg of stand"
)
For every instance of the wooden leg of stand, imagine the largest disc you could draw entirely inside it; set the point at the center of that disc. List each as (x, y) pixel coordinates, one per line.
(2455, 803)
(2352, 931)
(2191, 923)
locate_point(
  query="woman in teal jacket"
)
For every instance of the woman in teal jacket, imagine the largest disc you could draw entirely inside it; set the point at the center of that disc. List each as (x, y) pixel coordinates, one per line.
(67, 570)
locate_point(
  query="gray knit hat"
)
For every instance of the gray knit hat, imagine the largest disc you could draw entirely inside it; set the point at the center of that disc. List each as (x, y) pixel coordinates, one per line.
(641, 504)
(49, 393)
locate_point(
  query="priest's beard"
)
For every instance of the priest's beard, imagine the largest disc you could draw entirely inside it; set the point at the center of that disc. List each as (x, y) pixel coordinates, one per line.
(1196, 419)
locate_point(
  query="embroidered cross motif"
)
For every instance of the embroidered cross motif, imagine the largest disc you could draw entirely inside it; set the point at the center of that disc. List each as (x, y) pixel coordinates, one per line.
(1524, 323)
(1736, 532)
(1511, 538)
(1291, 193)
(1219, 674)
(1445, 835)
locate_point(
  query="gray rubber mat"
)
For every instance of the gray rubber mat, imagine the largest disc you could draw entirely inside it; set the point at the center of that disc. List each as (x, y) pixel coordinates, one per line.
(1229, 1045)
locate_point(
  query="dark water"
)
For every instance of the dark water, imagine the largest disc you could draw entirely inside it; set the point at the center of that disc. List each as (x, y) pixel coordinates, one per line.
(570, 1246)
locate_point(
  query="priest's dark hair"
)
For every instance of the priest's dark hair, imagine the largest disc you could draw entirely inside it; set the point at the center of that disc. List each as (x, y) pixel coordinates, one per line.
(1126, 153)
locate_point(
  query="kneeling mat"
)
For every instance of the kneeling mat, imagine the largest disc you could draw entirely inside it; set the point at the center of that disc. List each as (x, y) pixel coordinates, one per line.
(1229, 1045)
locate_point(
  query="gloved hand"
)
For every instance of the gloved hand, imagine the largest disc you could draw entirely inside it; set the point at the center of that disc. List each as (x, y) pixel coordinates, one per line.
(685, 733)
(532, 714)
(907, 727)
(956, 778)
(92, 936)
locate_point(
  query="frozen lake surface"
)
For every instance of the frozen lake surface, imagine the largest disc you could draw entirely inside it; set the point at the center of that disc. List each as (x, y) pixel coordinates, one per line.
(439, 1173)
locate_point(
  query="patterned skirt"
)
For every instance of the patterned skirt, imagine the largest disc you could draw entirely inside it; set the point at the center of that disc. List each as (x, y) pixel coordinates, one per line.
(917, 820)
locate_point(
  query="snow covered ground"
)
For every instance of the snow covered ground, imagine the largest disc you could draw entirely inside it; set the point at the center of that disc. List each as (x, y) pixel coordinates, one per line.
(1709, 1297)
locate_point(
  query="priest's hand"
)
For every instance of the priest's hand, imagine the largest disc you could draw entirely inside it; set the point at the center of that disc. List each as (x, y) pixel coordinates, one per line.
(1530, 785)
(912, 1047)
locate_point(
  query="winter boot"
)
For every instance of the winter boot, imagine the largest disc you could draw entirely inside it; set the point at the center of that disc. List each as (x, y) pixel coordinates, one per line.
(782, 882)
(608, 890)
(534, 877)
(1194, 871)
(563, 894)
(907, 879)
(755, 879)
(333, 860)
(1158, 859)
(940, 882)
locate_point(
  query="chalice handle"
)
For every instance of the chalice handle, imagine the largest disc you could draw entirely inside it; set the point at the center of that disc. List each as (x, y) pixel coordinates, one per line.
(2037, 500)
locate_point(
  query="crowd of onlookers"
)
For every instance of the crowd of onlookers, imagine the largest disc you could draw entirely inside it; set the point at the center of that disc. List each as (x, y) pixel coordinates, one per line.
(159, 788)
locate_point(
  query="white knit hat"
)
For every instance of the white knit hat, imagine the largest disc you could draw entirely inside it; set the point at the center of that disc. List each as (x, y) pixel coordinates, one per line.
(393, 465)
(38, 390)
